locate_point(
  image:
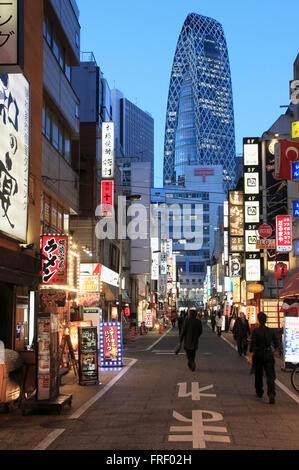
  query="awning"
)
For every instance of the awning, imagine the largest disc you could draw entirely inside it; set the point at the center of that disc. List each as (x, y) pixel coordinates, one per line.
(291, 287)
(111, 293)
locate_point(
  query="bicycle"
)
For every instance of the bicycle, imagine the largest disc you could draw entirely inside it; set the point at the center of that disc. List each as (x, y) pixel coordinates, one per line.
(295, 378)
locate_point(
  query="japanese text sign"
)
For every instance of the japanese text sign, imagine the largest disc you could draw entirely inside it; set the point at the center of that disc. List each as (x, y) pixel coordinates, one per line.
(107, 198)
(284, 233)
(11, 36)
(14, 154)
(108, 150)
(110, 344)
(54, 266)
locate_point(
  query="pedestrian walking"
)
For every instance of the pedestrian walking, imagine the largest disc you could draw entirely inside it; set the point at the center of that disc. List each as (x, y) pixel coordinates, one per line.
(181, 319)
(262, 357)
(213, 320)
(241, 332)
(190, 333)
(173, 317)
(219, 322)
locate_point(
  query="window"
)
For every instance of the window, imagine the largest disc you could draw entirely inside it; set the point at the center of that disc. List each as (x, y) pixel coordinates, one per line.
(55, 134)
(67, 148)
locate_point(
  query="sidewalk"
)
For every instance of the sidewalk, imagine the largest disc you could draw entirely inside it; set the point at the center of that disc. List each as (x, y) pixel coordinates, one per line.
(18, 432)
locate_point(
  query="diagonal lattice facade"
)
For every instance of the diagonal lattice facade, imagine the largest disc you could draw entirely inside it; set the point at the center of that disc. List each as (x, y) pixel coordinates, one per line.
(200, 119)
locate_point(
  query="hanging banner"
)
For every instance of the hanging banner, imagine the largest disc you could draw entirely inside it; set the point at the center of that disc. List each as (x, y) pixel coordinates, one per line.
(54, 264)
(14, 153)
(286, 152)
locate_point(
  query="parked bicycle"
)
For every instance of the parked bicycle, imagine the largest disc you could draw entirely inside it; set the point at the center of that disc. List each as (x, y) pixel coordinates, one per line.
(295, 378)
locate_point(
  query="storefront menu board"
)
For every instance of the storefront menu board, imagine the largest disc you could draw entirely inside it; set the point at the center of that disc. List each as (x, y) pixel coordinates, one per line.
(47, 356)
(88, 355)
(111, 344)
(292, 339)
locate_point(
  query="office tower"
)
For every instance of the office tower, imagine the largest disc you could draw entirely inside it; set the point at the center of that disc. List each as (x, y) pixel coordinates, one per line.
(200, 120)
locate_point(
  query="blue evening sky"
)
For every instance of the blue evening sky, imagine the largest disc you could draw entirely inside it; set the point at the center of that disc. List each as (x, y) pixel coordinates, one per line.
(134, 43)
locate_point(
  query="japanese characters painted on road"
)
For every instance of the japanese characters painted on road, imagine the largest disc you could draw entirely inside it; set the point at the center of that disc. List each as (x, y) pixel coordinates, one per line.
(54, 263)
(196, 392)
(286, 152)
(14, 154)
(198, 429)
(12, 36)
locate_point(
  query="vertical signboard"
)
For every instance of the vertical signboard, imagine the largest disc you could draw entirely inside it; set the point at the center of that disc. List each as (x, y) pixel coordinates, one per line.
(88, 355)
(108, 150)
(252, 204)
(54, 263)
(292, 339)
(107, 198)
(14, 153)
(284, 234)
(110, 344)
(12, 36)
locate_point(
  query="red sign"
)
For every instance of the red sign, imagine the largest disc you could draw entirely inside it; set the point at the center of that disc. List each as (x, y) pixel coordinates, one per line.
(204, 172)
(284, 233)
(280, 271)
(54, 264)
(265, 230)
(286, 152)
(110, 342)
(107, 198)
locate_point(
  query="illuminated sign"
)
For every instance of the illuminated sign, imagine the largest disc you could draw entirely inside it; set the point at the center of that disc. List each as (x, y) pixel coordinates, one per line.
(12, 36)
(236, 213)
(253, 270)
(149, 319)
(251, 154)
(235, 265)
(295, 208)
(251, 183)
(107, 198)
(54, 263)
(236, 244)
(252, 212)
(89, 283)
(14, 154)
(204, 172)
(110, 344)
(250, 241)
(295, 170)
(108, 150)
(296, 246)
(295, 130)
(292, 339)
(284, 233)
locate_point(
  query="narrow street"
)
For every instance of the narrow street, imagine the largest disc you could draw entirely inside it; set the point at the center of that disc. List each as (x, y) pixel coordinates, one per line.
(159, 404)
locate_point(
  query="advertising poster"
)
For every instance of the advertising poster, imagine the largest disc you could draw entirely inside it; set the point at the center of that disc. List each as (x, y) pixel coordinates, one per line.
(88, 355)
(111, 345)
(292, 339)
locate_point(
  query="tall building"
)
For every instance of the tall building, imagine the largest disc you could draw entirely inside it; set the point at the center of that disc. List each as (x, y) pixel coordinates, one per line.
(200, 119)
(134, 135)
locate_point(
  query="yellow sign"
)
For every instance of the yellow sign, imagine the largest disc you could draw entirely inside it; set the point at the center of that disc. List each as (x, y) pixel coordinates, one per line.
(295, 130)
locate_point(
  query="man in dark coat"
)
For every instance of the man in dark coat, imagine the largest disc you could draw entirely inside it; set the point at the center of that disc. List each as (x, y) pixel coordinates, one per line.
(190, 333)
(241, 332)
(262, 357)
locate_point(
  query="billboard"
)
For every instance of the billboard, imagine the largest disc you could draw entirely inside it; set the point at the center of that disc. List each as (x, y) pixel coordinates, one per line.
(12, 36)
(284, 233)
(54, 263)
(14, 154)
(110, 344)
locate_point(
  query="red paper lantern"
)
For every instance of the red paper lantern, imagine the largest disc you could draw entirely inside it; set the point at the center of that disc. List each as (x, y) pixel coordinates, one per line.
(280, 271)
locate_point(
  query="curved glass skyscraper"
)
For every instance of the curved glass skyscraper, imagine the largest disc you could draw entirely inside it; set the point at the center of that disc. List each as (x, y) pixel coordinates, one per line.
(200, 119)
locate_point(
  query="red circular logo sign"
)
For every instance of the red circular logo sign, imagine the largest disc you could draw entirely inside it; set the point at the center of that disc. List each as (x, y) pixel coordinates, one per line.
(265, 230)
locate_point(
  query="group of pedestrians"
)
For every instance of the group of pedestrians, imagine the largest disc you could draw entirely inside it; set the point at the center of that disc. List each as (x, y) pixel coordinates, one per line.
(263, 346)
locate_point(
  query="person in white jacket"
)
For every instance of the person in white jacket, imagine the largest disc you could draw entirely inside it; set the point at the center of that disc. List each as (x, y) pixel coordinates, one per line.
(219, 321)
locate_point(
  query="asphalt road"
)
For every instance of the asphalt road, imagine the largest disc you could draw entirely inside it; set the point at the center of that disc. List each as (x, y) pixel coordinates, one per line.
(157, 403)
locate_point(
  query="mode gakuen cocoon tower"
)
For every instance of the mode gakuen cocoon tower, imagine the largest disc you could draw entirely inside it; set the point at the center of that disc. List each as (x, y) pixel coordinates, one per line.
(200, 118)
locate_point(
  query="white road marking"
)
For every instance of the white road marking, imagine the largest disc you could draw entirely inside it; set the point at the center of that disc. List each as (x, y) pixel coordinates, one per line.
(158, 340)
(44, 444)
(89, 403)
